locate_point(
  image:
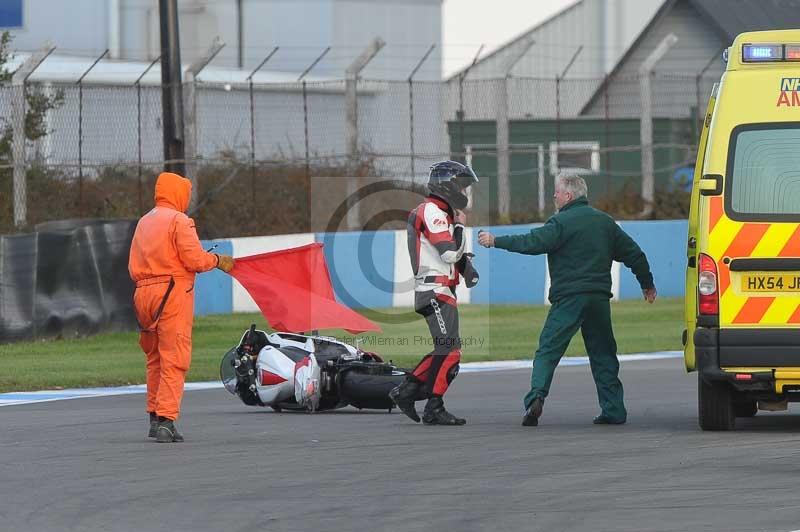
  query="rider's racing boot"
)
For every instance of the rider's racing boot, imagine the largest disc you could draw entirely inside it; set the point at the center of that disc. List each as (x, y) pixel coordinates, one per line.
(435, 414)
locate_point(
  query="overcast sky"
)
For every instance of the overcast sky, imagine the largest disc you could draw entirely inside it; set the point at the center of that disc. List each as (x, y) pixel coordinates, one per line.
(470, 23)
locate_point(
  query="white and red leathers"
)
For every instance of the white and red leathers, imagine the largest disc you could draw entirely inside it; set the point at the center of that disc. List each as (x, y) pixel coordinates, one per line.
(435, 245)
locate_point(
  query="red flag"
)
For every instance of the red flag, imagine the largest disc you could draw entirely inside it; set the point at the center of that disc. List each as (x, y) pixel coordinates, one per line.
(292, 287)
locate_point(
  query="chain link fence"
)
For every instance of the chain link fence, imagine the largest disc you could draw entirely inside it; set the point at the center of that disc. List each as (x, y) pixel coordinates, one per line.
(259, 145)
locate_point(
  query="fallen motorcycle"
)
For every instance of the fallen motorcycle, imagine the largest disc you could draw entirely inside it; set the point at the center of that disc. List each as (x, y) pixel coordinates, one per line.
(287, 371)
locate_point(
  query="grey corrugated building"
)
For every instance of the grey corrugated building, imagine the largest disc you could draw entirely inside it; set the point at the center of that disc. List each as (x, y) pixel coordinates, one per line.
(602, 29)
(251, 28)
(283, 120)
(591, 124)
(704, 28)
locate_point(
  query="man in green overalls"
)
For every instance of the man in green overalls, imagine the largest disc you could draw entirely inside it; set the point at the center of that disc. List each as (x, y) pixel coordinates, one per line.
(581, 242)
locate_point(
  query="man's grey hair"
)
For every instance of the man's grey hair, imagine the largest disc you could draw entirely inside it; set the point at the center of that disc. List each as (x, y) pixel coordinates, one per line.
(573, 184)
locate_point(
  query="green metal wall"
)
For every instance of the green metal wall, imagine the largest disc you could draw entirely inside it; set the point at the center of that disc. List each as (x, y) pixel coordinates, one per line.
(620, 158)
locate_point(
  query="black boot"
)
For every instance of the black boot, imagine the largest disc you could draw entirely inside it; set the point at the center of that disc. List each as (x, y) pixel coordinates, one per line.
(167, 433)
(153, 425)
(533, 413)
(435, 414)
(603, 419)
(404, 397)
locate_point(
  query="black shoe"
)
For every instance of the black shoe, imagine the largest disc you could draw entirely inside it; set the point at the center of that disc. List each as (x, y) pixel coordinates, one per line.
(533, 413)
(153, 425)
(603, 419)
(404, 397)
(435, 414)
(167, 433)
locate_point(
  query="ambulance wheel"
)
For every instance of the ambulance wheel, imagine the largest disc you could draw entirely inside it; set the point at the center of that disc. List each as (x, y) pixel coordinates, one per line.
(745, 407)
(715, 405)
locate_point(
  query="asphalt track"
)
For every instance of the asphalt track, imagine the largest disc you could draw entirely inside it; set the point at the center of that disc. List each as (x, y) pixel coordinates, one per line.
(86, 465)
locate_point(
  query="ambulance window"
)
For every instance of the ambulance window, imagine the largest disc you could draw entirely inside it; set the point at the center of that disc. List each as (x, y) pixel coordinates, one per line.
(764, 172)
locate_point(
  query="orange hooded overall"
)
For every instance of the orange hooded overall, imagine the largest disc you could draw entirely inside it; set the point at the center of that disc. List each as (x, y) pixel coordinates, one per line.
(165, 255)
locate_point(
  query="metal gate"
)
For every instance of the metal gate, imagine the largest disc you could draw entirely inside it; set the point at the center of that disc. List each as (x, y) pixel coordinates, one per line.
(527, 181)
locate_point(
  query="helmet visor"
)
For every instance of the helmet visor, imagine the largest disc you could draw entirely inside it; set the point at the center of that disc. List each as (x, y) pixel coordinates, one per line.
(466, 177)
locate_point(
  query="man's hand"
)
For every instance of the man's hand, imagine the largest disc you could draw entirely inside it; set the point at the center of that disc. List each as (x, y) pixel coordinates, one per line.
(485, 239)
(460, 217)
(650, 294)
(225, 263)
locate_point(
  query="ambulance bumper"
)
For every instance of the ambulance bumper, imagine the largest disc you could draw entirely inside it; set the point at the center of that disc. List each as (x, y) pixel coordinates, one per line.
(715, 349)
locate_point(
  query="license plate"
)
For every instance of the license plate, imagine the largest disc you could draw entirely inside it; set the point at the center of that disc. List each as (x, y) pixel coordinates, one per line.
(771, 283)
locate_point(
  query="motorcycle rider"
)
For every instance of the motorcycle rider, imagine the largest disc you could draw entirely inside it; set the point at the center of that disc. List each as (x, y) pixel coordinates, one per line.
(436, 246)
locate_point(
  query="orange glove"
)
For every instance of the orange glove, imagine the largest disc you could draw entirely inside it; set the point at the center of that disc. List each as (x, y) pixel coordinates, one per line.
(225, 263)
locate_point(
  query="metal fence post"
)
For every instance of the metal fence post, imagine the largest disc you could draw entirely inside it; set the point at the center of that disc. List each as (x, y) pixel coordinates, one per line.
(558, 113)
(411, 106)
(646, 122)
(351, 124)
(139, 191)
(351, 95)
(80, 131)
(306, 142)
(306, 152)
(503, 138)
(18, 130)
(559, 78)
(138, 85)
(253, 128)
(305, 115)
(540, 189)
(460, 112)
(503, 156)
(191, 116)
(20, 177)
(253, 202)
(608, 153)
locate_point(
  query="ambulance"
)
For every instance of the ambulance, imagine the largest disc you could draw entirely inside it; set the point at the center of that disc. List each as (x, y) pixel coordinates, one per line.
(743, 251)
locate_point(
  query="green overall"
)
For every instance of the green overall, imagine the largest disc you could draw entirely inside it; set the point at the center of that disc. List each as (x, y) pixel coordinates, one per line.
(581, 243)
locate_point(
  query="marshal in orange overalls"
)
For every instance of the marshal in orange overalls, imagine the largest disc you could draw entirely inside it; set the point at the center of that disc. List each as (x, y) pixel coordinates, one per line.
(165, 256)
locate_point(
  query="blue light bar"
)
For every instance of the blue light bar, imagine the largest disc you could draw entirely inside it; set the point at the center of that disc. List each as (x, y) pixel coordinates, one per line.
(760, 53)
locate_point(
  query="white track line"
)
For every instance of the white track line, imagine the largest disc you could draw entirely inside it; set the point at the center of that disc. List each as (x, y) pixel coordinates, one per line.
(22, 398)
(502, 365)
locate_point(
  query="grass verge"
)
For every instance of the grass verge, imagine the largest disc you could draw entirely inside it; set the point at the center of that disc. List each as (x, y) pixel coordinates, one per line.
(489, 333)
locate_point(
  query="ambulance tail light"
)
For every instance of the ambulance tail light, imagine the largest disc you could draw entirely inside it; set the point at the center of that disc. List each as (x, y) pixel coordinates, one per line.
(707, 293)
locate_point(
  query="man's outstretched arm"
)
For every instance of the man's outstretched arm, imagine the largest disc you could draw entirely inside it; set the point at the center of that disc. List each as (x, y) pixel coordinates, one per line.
(540, 240)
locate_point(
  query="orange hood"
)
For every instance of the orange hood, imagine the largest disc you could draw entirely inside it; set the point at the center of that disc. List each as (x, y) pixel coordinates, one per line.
(173, 191)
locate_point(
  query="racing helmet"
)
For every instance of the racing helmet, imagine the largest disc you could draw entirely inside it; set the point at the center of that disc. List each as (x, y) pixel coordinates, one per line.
(448, 180)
